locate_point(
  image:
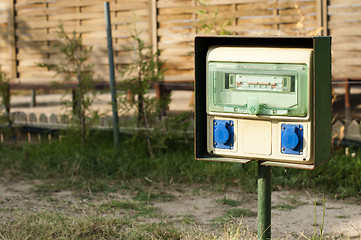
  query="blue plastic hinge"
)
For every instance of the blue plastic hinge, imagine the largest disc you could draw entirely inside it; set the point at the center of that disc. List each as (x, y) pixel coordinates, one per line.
(223, 134)
(292, 139)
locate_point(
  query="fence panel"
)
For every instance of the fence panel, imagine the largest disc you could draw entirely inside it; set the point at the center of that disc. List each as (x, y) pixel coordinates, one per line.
(344, 27)
(180, 21)
(176, 21)
(37, 25)
(4, 38)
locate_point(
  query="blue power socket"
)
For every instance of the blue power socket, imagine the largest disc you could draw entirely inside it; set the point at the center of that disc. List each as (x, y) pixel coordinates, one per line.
(223, 134)
(292, 139)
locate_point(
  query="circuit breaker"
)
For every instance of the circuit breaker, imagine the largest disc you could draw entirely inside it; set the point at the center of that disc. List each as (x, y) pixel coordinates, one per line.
(259, 100)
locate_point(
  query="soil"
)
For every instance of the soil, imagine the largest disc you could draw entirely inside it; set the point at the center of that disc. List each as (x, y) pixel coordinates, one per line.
(293, 212)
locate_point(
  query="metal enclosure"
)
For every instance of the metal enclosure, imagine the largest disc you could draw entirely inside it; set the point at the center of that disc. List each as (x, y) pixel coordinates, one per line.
(263, 98)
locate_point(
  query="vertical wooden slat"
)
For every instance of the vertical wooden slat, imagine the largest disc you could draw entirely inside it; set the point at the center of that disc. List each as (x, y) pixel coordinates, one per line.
(11, 41)
(325, 17)
(319, 14)
(153, 25)
(275, 16)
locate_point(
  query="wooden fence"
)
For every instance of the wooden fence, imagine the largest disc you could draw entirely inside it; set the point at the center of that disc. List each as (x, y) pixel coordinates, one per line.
(28, 30)
(39, 127)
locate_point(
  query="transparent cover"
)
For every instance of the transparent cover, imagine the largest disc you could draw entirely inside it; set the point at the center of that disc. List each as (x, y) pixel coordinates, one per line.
(258, 88)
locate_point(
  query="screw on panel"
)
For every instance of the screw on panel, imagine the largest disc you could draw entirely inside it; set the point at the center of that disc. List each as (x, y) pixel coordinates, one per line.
(215, 123)
(301, 129)
(215, 144)
(231, 124)
(283, 149)
(283, 128)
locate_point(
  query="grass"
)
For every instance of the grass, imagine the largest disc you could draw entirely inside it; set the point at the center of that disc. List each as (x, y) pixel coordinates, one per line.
(229, 202)
(232, 214)
(284, 206)
(98, 167)
(54, 225)
(148, 196)
(94, 165)
(104, 222)
(240, 212)
(140, 209)
(291, 202)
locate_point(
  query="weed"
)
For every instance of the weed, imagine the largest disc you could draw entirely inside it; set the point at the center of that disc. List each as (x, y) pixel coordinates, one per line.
(138, 78)
(138, 208)
(148, 196)
(292, 202)
(229, 202)
(343, 216)
(240, 212)
(316, 236)
(284, 206)
(76, 67)
(162, 230)
(187, 219)
(5, 102)
(210, 23)
(232, 214)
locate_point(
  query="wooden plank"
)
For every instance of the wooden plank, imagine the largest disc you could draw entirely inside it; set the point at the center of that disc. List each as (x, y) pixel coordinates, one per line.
(344, 9)
(181, 51)
(349, 72)
(252, 27)
(345, 39)
(11, 41)
(163, 46)
(169, 64)
(177, 38)
(175, 72)
(41, 11)
(193, 9)
(346, 46)
(298, 11)
(153, 27)
(243, 13)
(175, 17)
(346, 54)
(333, 3)
(347, 61)
(339, 19)
(346, 31)
(171, 4)
(127, 6)
(169, 31)
(175, 24)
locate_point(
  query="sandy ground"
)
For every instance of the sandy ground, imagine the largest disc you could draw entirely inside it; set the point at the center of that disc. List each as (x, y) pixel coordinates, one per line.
(342, 217)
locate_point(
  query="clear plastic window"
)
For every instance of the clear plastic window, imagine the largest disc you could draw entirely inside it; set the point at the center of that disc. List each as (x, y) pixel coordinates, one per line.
(258, 88)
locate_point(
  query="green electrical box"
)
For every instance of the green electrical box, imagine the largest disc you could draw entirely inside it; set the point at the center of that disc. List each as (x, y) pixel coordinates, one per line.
(263, 98)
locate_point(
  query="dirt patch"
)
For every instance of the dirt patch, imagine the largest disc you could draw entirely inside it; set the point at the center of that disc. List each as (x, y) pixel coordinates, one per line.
(293, 213)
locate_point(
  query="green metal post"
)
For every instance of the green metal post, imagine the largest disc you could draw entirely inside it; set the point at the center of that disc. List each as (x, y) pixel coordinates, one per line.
(111, 74)
(264, 202)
